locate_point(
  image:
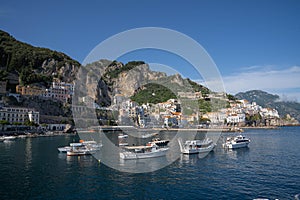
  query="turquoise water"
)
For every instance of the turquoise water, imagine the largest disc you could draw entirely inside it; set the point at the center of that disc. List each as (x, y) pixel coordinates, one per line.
(270, 168)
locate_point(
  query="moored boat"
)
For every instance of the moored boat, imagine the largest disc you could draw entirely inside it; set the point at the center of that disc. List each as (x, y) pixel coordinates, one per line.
(78, 149)
(22, 136)
(9, 137)
(64, 149)
(196, 146)
(236, 142)
(82, 148)
(151, 150)
(159, 142)
(91, 144)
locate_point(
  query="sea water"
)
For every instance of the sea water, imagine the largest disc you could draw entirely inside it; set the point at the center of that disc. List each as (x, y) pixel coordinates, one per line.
(32, 168)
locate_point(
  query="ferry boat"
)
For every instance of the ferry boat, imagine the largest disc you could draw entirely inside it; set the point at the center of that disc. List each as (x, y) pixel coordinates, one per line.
(151, 150)
(196, 146)
(236, 142)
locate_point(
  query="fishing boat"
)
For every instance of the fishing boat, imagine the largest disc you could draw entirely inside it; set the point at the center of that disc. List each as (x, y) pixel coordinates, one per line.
(91, 144)
(78, 149)
(82, 146)
(159, 142)
(236, 142)
(151, 150)
(64, 149)
(196, 146)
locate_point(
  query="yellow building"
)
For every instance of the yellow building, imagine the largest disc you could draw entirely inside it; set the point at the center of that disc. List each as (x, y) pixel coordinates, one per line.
(30, 91)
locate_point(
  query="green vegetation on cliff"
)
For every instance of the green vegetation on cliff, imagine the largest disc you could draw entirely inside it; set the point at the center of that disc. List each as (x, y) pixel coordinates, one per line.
(113, 72)
(198, 88)
(26, 61)
(153, 93)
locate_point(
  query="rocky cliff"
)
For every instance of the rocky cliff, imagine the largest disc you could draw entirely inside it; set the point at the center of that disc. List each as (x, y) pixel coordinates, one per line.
(22, 63)
(104, 79)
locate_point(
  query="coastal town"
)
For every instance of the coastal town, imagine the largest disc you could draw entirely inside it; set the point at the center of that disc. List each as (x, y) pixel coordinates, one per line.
(174, 113)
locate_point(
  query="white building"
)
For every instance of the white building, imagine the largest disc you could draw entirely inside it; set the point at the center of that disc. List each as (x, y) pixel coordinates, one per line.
(62, 85)
(269, 112)
(215, 117)
(18, 114)
(236, 118)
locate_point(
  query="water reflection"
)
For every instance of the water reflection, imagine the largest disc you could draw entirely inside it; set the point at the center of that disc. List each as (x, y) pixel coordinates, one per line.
(28, 153)
(149, 164)
(235, 154)
(82, 161)
(188, 159)
(193, 158)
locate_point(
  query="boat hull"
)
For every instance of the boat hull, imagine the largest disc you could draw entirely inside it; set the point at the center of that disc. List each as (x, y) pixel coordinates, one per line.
(237, 145)
(77, 153)
(198, 150)
(64, 149)
(236, 142)
(132, 156)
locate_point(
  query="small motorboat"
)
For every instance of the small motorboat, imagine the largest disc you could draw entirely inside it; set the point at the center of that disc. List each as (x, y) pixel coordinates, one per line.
(236, 142)
(151, 150)
(196, 146)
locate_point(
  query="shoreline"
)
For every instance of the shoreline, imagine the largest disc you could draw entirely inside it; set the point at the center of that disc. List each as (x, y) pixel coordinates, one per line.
(117, 129)
(35, 134)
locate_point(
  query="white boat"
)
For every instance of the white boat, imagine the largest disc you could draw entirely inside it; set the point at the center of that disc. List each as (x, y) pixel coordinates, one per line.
(9, 137)
(1, 139)
(92, 145)
(236, 142)
(159, 142)
(151, 150)
(64, 149)
(83, 146)
(196, 146)
(78, 149)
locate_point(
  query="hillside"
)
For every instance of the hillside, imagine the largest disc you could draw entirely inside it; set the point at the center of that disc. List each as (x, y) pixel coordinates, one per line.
(272, 101)
(24, 64)
(166, 88)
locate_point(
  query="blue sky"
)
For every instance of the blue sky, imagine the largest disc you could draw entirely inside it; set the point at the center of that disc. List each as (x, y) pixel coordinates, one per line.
(255, 44)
